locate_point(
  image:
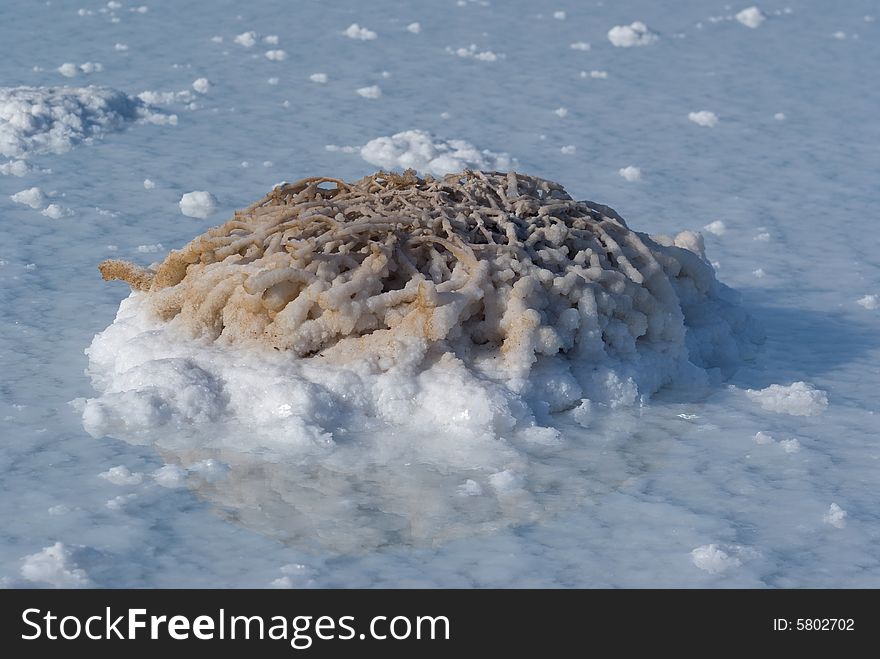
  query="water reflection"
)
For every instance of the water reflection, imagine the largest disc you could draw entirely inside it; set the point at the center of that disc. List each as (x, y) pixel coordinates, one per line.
(386, 487)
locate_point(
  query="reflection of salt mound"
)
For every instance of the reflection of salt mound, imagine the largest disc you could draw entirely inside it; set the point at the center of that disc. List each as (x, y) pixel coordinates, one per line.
(54, 119)
(405, 358)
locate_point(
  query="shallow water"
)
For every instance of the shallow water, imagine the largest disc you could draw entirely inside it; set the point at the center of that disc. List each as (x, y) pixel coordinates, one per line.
(623, 502)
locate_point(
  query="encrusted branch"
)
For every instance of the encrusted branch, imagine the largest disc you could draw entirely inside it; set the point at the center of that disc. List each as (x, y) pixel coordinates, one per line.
(489, 264)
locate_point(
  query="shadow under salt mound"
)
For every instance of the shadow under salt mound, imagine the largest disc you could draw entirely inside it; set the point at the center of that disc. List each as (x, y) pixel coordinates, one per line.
(803, 344)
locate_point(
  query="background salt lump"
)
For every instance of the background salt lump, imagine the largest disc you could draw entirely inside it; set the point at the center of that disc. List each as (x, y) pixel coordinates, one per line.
(635, 34)
(704, 118)
(713, 559)
(32, 197)
(798, 399)
(54, 566)
(751, 17)
(421, 151)
(53, 119)
(199, 204)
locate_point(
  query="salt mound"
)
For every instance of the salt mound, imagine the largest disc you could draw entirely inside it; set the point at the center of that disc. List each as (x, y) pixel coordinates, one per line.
(496, 269)
(407, 360)
(37, 120)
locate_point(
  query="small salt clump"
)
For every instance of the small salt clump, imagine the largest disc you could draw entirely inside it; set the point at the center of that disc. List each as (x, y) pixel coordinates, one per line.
(199, 204)
(635, 34)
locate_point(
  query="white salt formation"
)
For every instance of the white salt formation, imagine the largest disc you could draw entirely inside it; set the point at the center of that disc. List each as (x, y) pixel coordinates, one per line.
(634, 34)
(836, 516)
(198, 203)
(798, 399)
(399, 337)
(54, 566)
(704, 118)
(421, 151)
(54, 119)
(713, 559)
(751, 17)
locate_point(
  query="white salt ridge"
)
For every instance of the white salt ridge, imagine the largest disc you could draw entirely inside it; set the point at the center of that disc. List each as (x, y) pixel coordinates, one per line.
(470, 488)
(121, 475)
(199, 204)
(68, 70)
(276, 55)
(764, 438)
(171, 476)
(201, 85)
(35, 120)
(630, 173)
(71, 70)
(56, 211)
(162, 119)
(472, 52)
(634, 34)
(790, 445)
(713, 559)
(797, 399)
(246, 39)
(118, 502)
(54, 566)
(751, 17)
(150, 249)
(166, 98)
(717, 228)
(836, 516)
(32, 197)
(14, 168)
(704, 118)
(342, 149)
(373, 91)
(421, 151)
(505, 481)
(355, 31)
(296, 575)
(869, 302)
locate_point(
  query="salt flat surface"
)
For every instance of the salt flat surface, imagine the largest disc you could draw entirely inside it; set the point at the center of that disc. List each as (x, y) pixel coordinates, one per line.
(765, 479)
